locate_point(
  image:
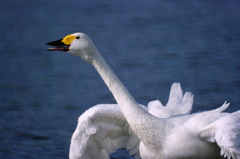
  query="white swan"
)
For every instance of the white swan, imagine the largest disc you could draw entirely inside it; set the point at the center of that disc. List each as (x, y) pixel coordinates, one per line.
(106, 124)
(178, 135)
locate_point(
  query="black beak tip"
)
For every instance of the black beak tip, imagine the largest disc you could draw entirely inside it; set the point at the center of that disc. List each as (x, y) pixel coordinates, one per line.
(56, 43)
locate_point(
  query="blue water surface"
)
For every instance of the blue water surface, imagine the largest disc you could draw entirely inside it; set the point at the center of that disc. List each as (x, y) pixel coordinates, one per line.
(149, 44)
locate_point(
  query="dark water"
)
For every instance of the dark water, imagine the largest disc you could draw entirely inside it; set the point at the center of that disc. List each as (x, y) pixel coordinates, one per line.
(150, 44)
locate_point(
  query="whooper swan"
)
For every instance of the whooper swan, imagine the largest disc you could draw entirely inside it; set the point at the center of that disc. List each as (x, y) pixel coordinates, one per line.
(174, 134)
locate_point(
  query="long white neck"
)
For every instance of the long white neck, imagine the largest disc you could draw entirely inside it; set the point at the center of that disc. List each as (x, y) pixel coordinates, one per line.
(126, 102)
(139, 119)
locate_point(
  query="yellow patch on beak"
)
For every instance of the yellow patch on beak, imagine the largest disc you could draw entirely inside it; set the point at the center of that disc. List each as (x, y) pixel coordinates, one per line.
(67, 40)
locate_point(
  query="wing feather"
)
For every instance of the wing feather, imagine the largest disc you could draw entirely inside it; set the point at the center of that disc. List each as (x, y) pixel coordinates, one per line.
(101, 130)
(178, 104)
(226, 133)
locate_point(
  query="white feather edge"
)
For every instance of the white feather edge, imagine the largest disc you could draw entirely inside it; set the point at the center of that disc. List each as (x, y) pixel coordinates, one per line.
(178, 104)
(225, 133)
(102, 130)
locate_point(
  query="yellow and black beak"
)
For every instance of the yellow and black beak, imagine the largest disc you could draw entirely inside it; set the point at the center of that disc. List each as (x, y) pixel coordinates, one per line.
(62, 44)
(59, 46)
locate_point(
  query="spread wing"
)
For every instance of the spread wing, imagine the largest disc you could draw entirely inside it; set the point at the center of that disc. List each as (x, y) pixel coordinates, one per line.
(101, 130)
(178, 104)
(226, 133)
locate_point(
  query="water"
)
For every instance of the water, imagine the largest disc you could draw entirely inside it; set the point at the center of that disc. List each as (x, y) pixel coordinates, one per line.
(150, 44)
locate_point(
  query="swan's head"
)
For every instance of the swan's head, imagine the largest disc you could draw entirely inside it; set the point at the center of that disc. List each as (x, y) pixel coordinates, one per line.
(76, 44)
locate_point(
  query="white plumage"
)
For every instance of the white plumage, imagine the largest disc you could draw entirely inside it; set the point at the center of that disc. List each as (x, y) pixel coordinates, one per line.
(105, 124)
(154, 132)
(225, 132)
(102, 130)
(178, 104)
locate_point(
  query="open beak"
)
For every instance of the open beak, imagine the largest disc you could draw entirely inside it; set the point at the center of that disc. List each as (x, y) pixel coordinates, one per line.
(59, 46)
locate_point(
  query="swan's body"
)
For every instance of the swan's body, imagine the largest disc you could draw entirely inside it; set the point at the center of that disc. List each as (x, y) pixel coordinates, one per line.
(163, 132)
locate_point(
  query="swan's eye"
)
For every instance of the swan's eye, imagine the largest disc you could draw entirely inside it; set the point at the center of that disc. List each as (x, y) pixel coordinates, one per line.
(78, 37)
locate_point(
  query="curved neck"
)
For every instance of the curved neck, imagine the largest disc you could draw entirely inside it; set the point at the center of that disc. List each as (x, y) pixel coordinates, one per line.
(140, 121)
(126, 102)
